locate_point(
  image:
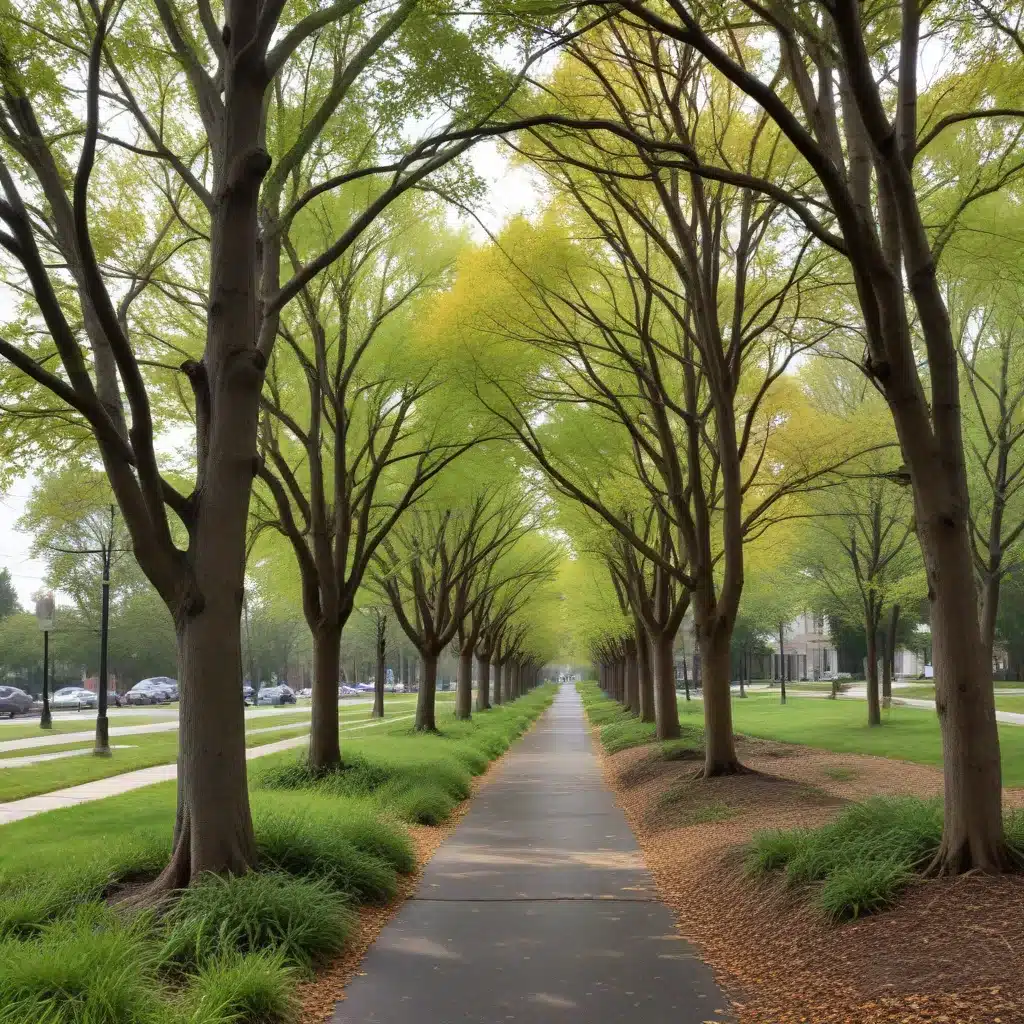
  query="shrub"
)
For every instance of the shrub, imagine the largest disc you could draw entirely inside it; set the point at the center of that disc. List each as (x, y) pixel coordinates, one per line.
(625, 733)
(422, 805)
(89, 968)
(301, 836)
(302, 919)
(254, 989)
(863, 858)
(856, 889)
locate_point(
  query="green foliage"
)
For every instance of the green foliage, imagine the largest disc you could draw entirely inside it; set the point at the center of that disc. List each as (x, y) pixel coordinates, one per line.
(305, 835)
(91, 968)
(257, 987)
(302, 919)
(861, 860)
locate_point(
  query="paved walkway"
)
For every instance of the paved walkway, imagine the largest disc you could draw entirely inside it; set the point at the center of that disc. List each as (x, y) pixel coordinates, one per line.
(537, 910)
(114, 785)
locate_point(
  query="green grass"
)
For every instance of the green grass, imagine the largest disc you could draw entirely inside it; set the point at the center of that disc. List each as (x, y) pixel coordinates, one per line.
(840, 774)
(86, 723)
(907, 734)
(147, 749)
(227, 951)
(864, 858)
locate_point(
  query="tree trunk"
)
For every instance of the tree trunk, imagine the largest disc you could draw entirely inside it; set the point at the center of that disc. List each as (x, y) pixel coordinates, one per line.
(988, 612)
(378, 679)
(686, 678)
(871, 672)
(483, 685)
(633, 677)
(972, 836)
(464, 686)
(646, 676)
(324, 747)
(719, 746)
(425, 721)
(496, 689)
(666, 712)
(782, 663)
(213, 827)
(506, 681)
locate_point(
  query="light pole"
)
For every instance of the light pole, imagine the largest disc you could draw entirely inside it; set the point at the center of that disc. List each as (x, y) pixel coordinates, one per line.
(45, 610)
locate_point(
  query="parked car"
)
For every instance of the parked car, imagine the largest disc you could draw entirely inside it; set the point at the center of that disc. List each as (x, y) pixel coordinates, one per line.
(148, 691)
(76, 697)
(307, 692)
(349, 691)
(14, 701)
(275, 696)
(248, 694)
(169, 684)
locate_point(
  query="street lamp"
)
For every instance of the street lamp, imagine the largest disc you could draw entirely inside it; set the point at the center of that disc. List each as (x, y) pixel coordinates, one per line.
(45, 612)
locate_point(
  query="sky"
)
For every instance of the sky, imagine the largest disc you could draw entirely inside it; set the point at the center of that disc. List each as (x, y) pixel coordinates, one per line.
(512, 191)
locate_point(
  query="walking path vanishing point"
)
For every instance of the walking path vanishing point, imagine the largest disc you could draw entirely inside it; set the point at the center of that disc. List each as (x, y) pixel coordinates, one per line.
(114, 785)
(537, 910)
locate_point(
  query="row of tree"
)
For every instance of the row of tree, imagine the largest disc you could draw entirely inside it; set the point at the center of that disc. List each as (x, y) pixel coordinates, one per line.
(217, 226)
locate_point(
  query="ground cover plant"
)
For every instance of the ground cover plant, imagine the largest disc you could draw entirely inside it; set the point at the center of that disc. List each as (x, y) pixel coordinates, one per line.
(228, 950)
(863, 859)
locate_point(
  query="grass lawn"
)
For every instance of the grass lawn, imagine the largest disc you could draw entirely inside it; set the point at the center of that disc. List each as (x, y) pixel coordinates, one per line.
(227, 951)
(148, 749)
(907, 734)
(86, 723)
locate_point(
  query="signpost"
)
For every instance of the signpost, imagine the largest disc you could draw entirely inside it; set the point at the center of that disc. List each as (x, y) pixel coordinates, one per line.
(46, 611)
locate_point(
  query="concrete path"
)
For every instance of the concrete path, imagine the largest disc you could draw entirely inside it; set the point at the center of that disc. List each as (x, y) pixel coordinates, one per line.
(538, 910)
(114, 785)
(22, 762)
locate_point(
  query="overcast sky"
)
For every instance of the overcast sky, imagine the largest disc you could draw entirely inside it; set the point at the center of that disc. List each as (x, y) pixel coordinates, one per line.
(511, 192)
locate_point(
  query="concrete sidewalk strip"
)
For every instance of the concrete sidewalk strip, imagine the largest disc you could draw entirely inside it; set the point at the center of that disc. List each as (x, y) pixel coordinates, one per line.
(537, 909)
(61, 738)
(23, 762)
(114, 785)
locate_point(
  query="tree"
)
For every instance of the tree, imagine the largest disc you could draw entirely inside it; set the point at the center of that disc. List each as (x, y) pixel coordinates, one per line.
(861, 133)
(213, 165)
(9, 603)
(427, 566)
(353, 430)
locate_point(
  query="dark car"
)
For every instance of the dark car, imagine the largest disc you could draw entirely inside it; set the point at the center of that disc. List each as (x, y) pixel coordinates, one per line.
(14, 701)
(275, 696)
(148, 691)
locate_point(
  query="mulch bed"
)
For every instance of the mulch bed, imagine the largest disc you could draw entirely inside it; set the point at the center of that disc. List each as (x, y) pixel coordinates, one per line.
(952, 950)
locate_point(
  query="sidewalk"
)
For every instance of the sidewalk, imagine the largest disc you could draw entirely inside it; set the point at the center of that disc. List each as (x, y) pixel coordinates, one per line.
(114, 785)
(538, 909)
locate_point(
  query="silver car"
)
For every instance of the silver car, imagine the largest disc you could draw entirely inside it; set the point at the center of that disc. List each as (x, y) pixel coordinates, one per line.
(75, 697)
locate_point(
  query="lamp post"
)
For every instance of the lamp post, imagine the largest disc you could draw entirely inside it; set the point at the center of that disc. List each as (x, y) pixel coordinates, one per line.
(45, 609)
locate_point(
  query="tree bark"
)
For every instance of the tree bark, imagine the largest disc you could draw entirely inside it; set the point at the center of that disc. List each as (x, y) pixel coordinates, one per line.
(972, 836)
(989, 612)
(378, 679)
(782, 663)
(483, 685)
(213, 827)
(496, 698)
(633, 677)
(666, 712)
(464, 685)
(719, 746)
(324, 745)
(425, 700)
(646, 676)
(871, 672)
(506, 681)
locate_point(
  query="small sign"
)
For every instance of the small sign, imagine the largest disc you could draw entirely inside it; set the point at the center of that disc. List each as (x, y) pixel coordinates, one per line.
(46, 612)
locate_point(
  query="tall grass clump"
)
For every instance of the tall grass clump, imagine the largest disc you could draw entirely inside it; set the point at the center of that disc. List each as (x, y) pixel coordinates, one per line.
(304, 920)
(859, 862)
(89, 969)
(257, 988)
